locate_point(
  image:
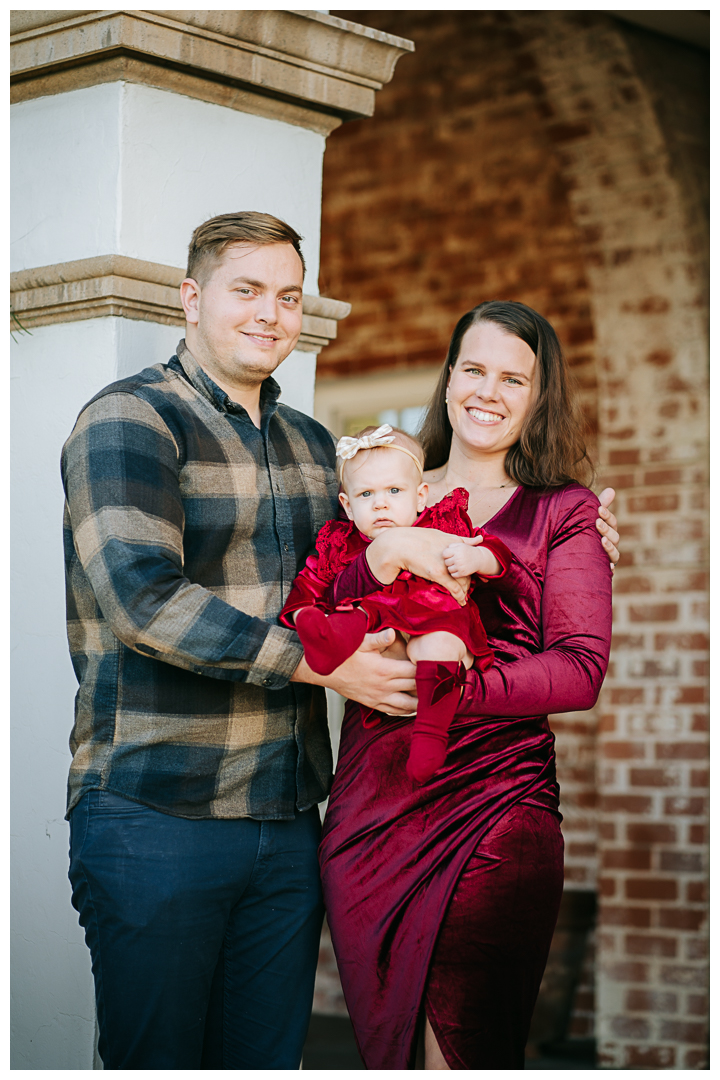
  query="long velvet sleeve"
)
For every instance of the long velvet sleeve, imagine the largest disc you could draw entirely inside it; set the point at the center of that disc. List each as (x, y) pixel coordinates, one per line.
(355, 580)
(576, 614)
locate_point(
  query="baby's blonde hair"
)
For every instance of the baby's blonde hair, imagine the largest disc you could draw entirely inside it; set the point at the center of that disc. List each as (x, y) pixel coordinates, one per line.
(401, 438)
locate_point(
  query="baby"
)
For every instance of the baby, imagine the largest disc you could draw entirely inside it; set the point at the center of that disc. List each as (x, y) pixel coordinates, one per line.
(381, 476)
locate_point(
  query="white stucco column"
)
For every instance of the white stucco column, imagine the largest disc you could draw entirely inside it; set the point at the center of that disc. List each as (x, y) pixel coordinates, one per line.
(134, 170)
(129, 129)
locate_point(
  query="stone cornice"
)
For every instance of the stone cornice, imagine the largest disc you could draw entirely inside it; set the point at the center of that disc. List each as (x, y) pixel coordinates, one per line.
(303, 67)
(134, 289)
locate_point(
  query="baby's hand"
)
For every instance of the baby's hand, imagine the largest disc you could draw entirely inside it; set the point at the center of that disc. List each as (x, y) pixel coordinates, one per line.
(470, 557)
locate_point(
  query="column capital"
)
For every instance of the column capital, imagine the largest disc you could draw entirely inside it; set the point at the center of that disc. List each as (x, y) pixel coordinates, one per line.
(301, 67)
(133, 289)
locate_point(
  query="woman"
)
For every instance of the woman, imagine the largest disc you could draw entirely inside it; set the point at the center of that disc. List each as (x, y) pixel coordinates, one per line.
(442, 898)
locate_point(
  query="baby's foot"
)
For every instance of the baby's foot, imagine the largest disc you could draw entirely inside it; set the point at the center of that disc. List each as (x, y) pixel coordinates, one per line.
(329, 640)
(427, 754)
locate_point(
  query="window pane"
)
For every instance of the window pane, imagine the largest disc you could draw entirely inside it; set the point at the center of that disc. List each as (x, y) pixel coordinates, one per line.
(411, 419)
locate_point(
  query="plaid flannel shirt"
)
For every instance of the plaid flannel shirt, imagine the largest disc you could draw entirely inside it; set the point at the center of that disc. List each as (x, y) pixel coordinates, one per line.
(184, 528)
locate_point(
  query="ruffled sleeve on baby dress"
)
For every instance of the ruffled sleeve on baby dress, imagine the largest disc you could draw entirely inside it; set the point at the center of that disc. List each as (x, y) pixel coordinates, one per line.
(335, 548)
(337, 545)
(450, 515)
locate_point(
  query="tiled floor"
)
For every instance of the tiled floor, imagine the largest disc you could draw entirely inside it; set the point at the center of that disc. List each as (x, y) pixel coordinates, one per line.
(331, 1045)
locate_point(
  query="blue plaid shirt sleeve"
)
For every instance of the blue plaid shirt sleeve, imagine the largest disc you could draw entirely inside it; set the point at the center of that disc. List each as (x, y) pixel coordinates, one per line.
(121, 470)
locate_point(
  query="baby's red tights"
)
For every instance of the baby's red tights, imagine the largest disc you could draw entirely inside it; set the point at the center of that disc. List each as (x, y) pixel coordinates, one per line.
(439, 686)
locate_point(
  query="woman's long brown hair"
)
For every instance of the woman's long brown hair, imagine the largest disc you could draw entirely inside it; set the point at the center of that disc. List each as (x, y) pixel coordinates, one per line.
(551, 450)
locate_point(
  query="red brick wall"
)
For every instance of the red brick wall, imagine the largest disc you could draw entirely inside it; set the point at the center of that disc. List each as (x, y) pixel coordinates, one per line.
(575, 747)
(451, 194)
(582, 1024)
(560, 158)
(644, 265)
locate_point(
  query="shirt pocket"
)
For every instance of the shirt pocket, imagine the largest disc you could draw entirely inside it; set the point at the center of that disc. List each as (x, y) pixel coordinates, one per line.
(319, 478)
(321, 489)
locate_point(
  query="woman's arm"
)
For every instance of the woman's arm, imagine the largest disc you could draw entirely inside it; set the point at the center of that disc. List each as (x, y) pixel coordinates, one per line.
(483, 555)
(420, 551)
(576, 623)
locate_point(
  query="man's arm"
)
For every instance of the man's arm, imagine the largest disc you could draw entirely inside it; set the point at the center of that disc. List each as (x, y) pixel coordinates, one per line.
(121, 474)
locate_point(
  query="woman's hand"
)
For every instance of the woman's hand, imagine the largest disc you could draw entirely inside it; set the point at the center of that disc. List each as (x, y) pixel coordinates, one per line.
(606, 525)
(420, 551)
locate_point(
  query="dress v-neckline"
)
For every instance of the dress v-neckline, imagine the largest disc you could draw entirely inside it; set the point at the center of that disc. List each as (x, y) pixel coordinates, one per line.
(498, 512)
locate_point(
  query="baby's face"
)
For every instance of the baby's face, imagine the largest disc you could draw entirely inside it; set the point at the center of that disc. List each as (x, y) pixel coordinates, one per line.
(383, 490)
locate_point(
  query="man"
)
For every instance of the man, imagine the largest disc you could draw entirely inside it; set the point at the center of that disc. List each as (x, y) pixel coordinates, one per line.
(200, 751)
(200, 745)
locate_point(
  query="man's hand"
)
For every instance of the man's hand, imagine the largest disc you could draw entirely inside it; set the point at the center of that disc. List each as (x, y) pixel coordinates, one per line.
(606, 525)
(421, 552)
(370, 676)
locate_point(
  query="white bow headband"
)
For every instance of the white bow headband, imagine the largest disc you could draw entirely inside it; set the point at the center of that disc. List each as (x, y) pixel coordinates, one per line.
(349, 446)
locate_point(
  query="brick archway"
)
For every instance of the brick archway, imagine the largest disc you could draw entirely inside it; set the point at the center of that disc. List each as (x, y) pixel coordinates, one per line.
(557, 158)
(640, 214)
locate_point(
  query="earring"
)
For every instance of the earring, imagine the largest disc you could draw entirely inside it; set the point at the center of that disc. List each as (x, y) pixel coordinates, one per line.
(446, 400)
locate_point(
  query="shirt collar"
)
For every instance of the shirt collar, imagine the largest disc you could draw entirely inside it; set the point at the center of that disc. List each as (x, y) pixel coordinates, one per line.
(269, 392)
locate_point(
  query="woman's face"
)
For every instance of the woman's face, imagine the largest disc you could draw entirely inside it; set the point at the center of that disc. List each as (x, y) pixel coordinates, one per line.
(491, 389)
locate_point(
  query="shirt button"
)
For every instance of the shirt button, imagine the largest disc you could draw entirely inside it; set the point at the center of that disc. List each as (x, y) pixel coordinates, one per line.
(286, 547)
(267, 682)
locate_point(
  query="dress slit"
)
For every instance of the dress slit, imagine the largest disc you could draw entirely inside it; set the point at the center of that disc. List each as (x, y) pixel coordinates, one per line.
(391, 871)
(493, 942)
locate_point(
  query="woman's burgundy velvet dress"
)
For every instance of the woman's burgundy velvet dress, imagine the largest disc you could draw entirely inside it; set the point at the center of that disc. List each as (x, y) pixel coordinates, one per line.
(443, 897)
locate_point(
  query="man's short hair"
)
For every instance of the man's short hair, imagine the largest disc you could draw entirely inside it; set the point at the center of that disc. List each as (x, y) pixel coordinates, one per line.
(210, 239)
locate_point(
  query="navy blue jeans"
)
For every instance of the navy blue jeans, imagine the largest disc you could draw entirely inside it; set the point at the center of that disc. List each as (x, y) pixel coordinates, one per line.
(203, 934)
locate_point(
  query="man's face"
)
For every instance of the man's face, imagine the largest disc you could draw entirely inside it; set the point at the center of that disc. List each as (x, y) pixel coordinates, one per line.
(247, 317)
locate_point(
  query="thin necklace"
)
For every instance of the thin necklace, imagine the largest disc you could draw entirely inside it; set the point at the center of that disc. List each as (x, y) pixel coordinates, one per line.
(447, 489)
(489, 489)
